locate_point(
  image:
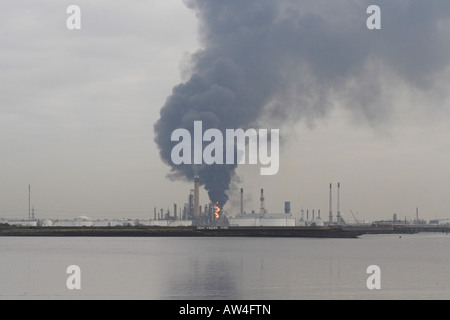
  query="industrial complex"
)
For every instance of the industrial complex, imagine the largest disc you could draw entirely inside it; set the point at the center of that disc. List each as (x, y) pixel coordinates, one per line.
(193, 214)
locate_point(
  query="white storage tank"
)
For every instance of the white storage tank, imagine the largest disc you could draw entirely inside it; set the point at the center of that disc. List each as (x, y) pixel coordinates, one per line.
(83, 221)
(23, 223)
(46, 223)
(316, 223)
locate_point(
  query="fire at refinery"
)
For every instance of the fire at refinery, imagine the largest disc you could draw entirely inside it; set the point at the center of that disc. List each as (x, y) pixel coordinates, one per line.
(213, 214)
(217, 211)
(210, 214)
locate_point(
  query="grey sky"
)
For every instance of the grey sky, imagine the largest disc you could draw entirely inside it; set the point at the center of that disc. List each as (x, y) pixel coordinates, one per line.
(78, 109)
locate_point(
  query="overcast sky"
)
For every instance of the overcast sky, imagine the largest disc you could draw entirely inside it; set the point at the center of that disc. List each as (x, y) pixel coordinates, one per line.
(78, 110)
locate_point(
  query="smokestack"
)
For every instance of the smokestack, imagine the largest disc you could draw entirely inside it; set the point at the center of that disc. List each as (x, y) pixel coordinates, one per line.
(196, 196)
(263, 209)
(331, 207)
(175, 210)
(338, 208)
(242, 200)
(190, 210)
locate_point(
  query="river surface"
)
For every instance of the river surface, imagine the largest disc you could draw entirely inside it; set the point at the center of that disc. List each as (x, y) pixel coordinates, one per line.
(411, 267)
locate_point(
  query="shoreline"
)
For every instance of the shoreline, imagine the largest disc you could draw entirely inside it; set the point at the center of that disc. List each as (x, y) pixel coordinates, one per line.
(269, 232)
(349, 232)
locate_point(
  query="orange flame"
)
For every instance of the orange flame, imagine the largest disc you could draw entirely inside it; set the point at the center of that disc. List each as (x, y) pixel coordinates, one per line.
(217, 210)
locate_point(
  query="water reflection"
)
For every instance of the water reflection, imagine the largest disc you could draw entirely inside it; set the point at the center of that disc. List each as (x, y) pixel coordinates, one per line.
(213, 278)
(414, 267)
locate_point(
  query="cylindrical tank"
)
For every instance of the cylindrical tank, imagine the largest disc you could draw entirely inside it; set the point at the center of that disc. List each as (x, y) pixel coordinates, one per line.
(287, 207)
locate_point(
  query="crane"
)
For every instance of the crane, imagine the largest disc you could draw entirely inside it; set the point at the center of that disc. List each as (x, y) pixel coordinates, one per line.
(356, 220)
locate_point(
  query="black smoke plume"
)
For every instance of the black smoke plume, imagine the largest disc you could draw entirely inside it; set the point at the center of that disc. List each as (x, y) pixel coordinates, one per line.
(286, 60)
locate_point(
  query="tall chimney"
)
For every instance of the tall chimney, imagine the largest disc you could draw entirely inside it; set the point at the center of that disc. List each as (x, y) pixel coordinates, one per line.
(331, 207)
(263, 209)
(175, 210)
(242, 200)
(196, 196)
(338, 208)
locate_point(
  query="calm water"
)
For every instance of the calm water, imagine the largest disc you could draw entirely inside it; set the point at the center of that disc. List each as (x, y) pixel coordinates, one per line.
(412, 267)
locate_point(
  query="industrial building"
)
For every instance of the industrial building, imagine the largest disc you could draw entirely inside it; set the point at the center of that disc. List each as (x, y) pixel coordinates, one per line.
(21, 223)
(440, 222)
(81, 221)
(258, 220)
(266, 219)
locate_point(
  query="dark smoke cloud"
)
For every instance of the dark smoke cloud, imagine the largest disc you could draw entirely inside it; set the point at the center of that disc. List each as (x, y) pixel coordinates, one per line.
(282, 61)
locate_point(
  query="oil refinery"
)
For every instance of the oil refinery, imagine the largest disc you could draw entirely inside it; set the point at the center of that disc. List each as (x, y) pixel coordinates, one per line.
(194, 215)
